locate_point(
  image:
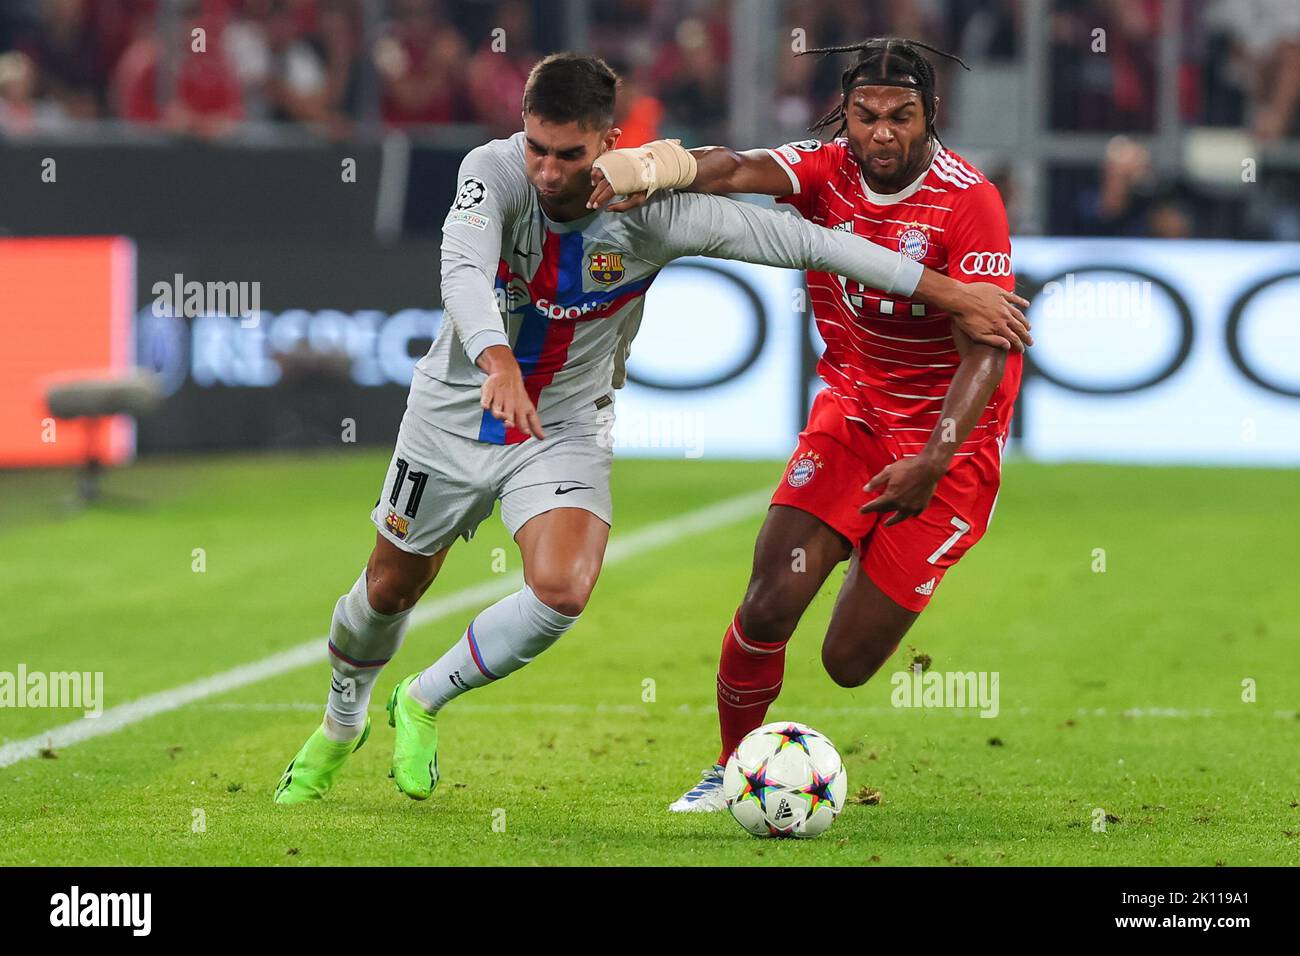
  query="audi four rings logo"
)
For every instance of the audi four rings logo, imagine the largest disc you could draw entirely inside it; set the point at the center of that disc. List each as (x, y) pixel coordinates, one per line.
(986, 264)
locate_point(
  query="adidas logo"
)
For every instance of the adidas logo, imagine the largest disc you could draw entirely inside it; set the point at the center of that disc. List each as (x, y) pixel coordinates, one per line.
(926, 588)
(783, 811)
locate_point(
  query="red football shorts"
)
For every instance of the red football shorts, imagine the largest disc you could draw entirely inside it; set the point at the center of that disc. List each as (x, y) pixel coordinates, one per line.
(837, 456)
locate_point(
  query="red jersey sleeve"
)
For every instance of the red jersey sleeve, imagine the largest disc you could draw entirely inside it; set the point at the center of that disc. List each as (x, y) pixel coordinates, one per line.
(808, 163)
(978, 239)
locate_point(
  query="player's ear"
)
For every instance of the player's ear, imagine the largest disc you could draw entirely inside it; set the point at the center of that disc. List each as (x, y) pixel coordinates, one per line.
(611, 138)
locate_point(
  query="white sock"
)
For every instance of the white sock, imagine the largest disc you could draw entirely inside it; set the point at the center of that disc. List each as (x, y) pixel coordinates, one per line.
(361, 642)
(502, 639)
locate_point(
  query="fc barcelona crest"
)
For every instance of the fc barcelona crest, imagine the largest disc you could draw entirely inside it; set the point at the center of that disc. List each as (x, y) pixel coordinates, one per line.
(606, 267)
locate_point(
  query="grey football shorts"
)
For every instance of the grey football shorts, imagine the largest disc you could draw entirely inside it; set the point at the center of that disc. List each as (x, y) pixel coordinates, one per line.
(441, 486)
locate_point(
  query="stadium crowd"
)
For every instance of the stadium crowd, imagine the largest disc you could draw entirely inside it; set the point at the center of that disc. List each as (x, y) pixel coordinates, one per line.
(426, 63)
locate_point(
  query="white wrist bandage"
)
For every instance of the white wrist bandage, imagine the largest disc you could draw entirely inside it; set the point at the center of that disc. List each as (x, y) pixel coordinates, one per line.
(661, 164)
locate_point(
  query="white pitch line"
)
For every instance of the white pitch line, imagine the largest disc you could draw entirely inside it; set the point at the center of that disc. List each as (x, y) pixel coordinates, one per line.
(621, 548)
(1176, 713)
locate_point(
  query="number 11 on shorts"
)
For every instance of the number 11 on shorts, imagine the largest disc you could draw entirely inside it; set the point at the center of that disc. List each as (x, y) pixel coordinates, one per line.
(962, 527)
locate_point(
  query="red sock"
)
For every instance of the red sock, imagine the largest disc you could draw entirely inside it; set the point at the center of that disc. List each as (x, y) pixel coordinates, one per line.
(749, 678)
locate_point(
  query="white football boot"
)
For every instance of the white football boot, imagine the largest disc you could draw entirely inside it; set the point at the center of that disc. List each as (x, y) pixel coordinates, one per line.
(705, 797)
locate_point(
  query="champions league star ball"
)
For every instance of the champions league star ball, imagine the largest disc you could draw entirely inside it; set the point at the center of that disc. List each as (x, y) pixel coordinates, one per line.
(785, 779)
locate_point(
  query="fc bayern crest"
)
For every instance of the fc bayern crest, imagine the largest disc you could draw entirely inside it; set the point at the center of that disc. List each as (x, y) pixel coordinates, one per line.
(606, 267)
(913, 244)
(804, 470)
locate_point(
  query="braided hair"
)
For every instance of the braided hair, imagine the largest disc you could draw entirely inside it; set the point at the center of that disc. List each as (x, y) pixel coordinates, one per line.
(884, 61)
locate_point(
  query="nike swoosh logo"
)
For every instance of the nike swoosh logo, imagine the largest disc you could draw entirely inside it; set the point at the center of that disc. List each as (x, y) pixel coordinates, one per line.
(564, 491)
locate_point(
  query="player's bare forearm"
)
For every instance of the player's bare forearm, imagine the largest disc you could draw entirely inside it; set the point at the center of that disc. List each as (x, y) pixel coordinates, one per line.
(987, 313)
(722, 170)
(504, 393)
(972, 386)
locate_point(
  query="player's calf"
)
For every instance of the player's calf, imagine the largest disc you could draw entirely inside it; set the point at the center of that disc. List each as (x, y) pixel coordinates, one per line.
(366, 630)
(794, 554)
(499, 641)
(866, 628)
(362, 640)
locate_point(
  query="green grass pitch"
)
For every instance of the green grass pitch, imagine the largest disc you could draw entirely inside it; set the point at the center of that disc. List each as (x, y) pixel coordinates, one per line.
(1121, 691)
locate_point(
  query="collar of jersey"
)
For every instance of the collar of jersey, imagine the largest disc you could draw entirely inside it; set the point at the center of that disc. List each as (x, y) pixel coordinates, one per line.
(907, 192)
(573, 225)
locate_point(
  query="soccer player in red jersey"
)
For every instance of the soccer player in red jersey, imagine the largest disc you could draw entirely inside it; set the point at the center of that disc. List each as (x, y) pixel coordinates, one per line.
(899, 465)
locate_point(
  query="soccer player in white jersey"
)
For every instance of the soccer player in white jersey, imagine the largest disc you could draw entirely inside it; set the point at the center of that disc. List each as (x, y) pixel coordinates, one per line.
(542, 297)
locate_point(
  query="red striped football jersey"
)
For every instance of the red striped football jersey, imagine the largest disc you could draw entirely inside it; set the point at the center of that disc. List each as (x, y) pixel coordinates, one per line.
(888, 360)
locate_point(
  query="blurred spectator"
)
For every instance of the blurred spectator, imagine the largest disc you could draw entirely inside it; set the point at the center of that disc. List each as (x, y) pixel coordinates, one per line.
(422, 62)
(1266, 49)
(1133, 200)
(499, 69)
(1104, 81)
(691, 74)
(206, 101)
(338, 40)
(984, 29)
(64, 51)
(1003, 177)
(284, 70)
(18, 110)
(637, 112)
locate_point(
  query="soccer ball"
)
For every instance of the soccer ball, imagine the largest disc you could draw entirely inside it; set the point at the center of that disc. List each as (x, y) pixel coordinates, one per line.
(785, 779)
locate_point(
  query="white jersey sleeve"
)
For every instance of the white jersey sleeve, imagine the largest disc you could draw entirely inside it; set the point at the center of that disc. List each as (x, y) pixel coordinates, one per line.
(490, 192)
(676, 224)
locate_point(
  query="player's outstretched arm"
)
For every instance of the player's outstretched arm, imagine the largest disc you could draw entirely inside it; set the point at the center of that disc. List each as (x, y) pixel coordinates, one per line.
(906, 486)
(718, 170)
(987, 313)
(683, 224)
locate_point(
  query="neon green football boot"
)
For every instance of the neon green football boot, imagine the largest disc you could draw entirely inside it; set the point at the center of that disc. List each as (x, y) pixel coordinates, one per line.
(314, 768)
(415, 749)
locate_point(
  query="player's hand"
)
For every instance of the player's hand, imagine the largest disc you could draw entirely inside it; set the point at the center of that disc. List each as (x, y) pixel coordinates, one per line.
(993, 316)
(905, 487)
(503, 394)
(604, 192)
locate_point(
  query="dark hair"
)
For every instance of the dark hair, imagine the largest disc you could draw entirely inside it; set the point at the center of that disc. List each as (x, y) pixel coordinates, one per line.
(885, 61)
(572, 88)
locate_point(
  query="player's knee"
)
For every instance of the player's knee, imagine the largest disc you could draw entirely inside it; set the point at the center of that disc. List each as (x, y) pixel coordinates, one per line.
(847, 670)
(852, 661)
(387, 596)
(567, 597)
(767, 615)
(390, 592)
